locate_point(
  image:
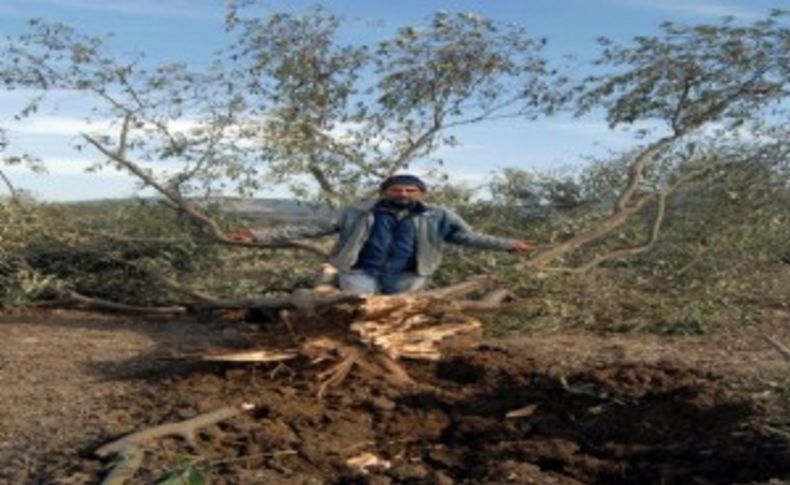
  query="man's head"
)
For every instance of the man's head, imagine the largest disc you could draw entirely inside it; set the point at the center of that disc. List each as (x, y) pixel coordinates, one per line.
(403, 190)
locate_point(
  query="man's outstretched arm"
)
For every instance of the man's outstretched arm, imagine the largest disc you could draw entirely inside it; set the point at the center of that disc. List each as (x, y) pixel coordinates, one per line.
(457, 231)
(287, 232)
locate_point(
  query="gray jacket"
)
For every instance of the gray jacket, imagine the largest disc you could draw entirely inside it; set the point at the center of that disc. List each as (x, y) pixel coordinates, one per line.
(435, 227)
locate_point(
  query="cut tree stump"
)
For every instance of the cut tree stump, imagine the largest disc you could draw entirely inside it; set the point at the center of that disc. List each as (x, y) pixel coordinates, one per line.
(369, 335)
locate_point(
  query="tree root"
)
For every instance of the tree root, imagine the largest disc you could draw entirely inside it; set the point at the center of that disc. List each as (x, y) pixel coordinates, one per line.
(377, 365)
(129, 448)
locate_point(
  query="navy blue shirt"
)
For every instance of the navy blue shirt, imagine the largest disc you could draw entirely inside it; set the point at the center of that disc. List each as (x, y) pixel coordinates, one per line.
(392, 244)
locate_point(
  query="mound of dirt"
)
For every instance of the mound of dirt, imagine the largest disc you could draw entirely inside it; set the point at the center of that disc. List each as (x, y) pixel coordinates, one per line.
(564, 409)
(488, 417)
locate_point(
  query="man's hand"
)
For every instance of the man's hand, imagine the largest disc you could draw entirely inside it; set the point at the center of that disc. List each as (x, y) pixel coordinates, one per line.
(522, 247)
(241, 235)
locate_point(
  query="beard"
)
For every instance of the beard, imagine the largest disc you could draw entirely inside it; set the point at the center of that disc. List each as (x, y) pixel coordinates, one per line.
(400, 204)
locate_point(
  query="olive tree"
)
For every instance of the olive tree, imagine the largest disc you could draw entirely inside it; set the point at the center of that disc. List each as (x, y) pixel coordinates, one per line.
(287, 98)
(698, 86)
(348, 114)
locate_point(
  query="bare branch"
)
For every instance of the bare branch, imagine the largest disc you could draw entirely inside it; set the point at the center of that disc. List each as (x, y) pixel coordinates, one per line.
(129, 448)
(491, 301)
(463, 288)
(10, 186)
(661, 203)
(675, 121)
(320, 177)
(71, 297)
(175, 198)
(543, 258)
(778, 346)
(636, 171)
(624, 252)
(412, 148)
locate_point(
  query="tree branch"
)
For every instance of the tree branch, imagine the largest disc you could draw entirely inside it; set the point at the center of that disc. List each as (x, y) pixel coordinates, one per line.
(175, 198)
(11, 188)
(129, 448)
(637, 170)
(71, 297)
(675, 122)
(631, 251)
(661, 202)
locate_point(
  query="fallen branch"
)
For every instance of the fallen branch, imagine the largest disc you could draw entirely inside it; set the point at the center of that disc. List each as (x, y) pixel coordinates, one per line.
(129, 447)
(461, 289)
(491, 301)
(778, 346)
(73, 298)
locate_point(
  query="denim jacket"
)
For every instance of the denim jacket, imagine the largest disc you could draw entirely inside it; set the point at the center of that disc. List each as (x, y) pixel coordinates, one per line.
(435, 227)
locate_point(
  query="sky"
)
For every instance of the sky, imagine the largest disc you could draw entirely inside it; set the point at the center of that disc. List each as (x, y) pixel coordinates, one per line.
(192, 30)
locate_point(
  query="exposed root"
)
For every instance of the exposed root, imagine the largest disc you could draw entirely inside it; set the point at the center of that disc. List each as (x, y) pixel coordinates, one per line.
(129, 461)
(375, 366)
(335, 375)
(379, 331)
(129, 448)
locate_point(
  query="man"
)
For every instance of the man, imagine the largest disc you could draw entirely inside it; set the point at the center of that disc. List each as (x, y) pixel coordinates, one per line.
(393, 244)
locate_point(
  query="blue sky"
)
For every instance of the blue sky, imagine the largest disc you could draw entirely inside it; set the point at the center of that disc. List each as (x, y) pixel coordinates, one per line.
(191, 30)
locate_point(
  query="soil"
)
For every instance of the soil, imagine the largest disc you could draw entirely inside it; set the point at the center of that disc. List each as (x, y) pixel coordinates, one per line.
(567, 407)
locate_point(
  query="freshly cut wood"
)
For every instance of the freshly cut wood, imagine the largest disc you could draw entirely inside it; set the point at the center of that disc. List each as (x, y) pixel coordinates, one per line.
(365, 462)
(252, 356)
(370, 334)
(523, 412)
(415, 327)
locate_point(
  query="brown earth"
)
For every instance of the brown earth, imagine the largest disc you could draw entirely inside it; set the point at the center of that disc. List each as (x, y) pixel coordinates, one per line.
(614, 408)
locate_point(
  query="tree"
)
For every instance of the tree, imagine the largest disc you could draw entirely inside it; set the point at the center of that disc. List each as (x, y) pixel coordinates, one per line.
(348, 114)
(289, 98)
(727, 79)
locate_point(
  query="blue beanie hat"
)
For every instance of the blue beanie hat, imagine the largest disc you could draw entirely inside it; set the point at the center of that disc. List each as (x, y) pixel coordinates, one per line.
(403, 180)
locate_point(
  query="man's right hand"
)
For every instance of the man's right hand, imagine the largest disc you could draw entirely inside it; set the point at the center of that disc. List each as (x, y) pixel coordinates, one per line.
(523, 247)
(243, 235)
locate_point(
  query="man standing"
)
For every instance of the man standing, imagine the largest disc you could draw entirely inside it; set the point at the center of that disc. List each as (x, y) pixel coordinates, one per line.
(393, 244)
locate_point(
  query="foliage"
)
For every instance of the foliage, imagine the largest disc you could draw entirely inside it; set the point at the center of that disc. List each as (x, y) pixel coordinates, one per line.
(348, 114)
(49, 248)
(721, 256)
(184, 472)
(696, 214)
(693, 75)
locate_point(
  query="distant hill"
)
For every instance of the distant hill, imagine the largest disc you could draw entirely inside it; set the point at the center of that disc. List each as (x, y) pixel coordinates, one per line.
(275, 210)
(263, 210)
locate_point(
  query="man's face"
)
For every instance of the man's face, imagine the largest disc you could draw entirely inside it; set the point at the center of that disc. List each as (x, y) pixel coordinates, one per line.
(403, 194)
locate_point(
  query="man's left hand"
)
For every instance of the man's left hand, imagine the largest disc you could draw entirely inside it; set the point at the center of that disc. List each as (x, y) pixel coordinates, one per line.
(522, 247)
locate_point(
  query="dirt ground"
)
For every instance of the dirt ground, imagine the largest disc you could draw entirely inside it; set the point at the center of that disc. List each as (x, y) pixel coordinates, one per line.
(594, 408)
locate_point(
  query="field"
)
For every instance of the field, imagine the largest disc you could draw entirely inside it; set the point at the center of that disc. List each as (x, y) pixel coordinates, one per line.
(564, 406)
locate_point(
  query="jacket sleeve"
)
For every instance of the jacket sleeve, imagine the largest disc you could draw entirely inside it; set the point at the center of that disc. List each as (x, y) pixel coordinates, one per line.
(455, 230)
(290, 232)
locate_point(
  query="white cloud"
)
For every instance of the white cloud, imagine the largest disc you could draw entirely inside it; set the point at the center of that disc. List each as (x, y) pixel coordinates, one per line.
(171, 8)
(68, 126)
(61, 126)
(697, 9)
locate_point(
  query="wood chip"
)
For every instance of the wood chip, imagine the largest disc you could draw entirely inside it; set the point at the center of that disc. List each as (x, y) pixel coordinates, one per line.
(251, 356)
(364, 462)
(524, 412)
